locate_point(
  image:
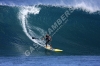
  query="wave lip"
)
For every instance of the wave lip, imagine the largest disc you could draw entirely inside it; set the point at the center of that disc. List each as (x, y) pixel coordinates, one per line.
(89, 6)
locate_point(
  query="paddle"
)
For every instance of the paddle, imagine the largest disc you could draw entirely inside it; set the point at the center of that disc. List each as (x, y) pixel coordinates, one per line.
(36, 38)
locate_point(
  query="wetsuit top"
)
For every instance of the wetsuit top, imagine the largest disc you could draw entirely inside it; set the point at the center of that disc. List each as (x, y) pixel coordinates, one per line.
(48, 37)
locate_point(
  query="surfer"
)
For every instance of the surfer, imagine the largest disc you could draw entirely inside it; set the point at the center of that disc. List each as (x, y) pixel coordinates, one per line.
(48, 39)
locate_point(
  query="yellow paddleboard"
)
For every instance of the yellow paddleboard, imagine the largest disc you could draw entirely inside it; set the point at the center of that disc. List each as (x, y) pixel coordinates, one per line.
(52, 49)
(58, 50)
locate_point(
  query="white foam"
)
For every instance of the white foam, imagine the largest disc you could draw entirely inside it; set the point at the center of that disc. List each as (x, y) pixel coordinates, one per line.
(87, 7)
(23, 14)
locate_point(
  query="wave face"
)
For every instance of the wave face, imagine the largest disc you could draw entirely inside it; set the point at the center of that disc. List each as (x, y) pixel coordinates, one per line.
(78, 36)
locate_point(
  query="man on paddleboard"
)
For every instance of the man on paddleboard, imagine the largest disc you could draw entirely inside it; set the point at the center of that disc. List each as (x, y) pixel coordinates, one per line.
(48, 39)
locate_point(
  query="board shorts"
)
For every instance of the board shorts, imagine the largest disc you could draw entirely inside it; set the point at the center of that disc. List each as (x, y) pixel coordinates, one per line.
(47, 42)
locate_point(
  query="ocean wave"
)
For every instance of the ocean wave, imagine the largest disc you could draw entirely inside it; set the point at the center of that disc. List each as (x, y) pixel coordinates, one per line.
(80, 35)
(90, 5)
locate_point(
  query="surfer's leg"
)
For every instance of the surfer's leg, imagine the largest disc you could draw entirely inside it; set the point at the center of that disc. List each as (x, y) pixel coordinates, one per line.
(46, 43)
(49, 42)
(50, 46)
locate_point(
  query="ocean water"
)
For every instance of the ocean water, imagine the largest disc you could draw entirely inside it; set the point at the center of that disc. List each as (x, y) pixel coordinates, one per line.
(73, 25)
(56, 61)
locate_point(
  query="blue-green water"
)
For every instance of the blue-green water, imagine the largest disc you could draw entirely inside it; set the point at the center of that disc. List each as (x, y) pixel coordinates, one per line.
(78, 36)
(73, 24)
(51, 61)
